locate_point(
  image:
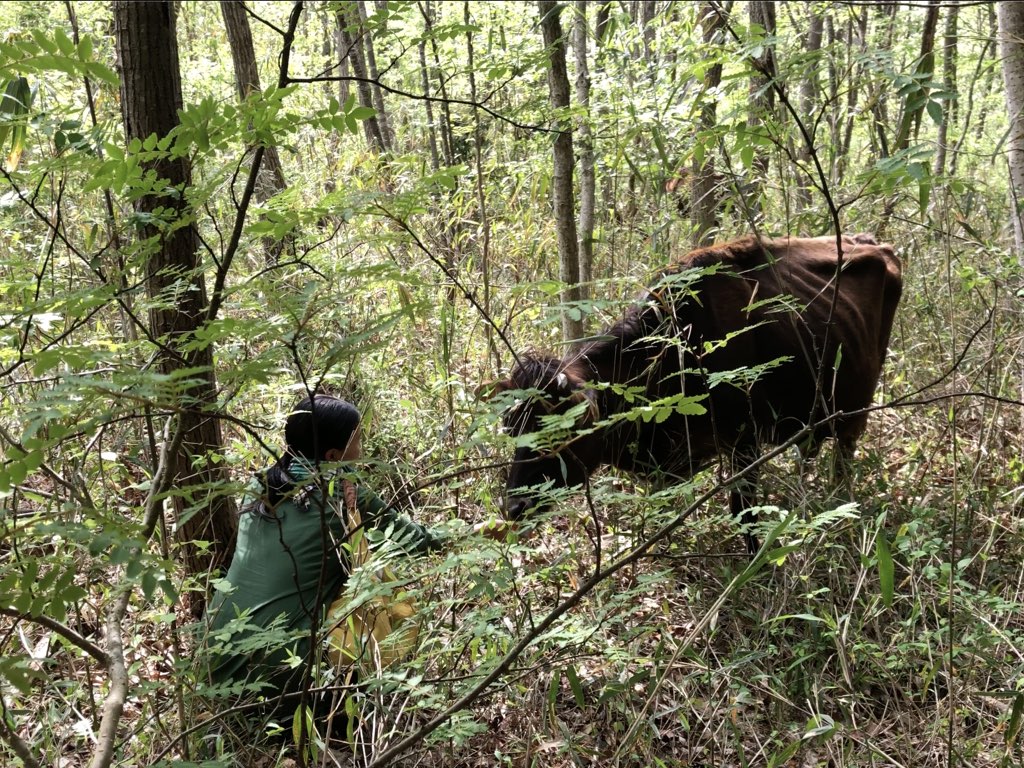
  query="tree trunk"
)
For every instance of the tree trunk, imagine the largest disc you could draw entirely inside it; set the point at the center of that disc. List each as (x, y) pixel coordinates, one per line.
(705, 192)
(914, 104)
(1011, 48)
(856, 72)
(562, 186)
(150, 97)
(351, 32)
(481, 195)
(762, 95)
(809, 98)
(247, 79)
(435, 158)
(386, 133)
(648, 10)
(975, 83)
(949, 44)
(447, 140)
(341, 51)
(588, 181)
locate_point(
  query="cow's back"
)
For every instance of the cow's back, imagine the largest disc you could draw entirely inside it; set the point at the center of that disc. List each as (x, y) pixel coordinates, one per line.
(772, 303)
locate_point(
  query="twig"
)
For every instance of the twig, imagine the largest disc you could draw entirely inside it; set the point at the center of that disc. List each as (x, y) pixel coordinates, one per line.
(113, 705)
(73, 637)
(217, 295)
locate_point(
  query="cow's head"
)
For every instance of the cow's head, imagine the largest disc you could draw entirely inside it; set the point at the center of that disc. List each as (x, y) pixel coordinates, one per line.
(549, 412)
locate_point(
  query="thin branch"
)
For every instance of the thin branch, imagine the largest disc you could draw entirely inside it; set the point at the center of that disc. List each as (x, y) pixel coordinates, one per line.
(113, 705)
(424, 97)
(217, 295)
(73, 637)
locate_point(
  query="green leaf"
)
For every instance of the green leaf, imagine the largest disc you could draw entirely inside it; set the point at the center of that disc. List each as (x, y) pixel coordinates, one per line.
(64, 42)
(885, 567)
(43, 41)
(85, 48)
(362, 113)
(747, 156)
(102, 73)
(575, 684)
(18, 674)
(1016, 715)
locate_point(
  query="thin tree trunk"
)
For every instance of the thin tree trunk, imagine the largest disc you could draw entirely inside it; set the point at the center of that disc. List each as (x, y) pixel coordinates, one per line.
(878, 100)
(150, 98)
(453, 225)
(910, 121)
(588, 181)
(481, 196)
(1011, 47)
(949, 44)
(648, 10)
(435, 159)
(809, 97)
(348, 23)
(762, 95)
(562, 154)
(914, 103)
(856, 71)
(447, 141)
(386, 133)
(967, 129)
(341, 51)
(247, 79)
(704, 208)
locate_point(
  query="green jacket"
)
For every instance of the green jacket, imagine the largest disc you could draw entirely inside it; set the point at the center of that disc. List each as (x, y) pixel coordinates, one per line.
(280, 558)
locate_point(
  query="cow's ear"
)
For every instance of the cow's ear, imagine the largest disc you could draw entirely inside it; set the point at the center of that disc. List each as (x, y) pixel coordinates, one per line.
(491, 389)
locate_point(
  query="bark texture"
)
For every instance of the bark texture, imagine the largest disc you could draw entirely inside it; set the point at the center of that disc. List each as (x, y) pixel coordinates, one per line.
(562, 154)
(762, 95)
(949, 57)
(705, 191)
(386, 133)
(150, 97)
(351, 36)
(1011, 48)
(588, 182)
(247, 81)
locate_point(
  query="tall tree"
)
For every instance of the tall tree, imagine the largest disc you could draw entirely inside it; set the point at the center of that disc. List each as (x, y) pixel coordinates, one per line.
(704, 190)
(247, 80)
(351, 37)
(810, 97)
(916, 100)
(428, 104)
(150, 99)
(588, 181)
(762, 94)
(562, 184)
(949, 56)
(1011, 46)
(366, 37)
(856, 39)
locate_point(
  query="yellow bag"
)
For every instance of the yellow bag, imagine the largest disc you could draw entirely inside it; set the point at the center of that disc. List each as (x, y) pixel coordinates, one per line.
(378, 632)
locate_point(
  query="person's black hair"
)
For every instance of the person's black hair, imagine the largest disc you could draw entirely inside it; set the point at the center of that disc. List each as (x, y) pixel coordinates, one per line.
(316, 425)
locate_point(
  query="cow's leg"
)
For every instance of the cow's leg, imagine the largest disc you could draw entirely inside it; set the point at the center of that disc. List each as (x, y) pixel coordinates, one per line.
(743, 494)
(842, 458)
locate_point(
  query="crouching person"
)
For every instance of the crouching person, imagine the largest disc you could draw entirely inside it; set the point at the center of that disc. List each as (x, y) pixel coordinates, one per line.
(301, 533)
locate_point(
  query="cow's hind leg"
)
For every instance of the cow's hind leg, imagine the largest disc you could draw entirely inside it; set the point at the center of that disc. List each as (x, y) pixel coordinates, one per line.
(842, 458)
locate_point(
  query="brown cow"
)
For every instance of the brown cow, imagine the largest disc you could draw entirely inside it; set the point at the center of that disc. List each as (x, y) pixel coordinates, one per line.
(672, 385)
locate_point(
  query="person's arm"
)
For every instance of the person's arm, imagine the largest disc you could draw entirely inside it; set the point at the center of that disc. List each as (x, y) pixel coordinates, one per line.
(412, 537)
